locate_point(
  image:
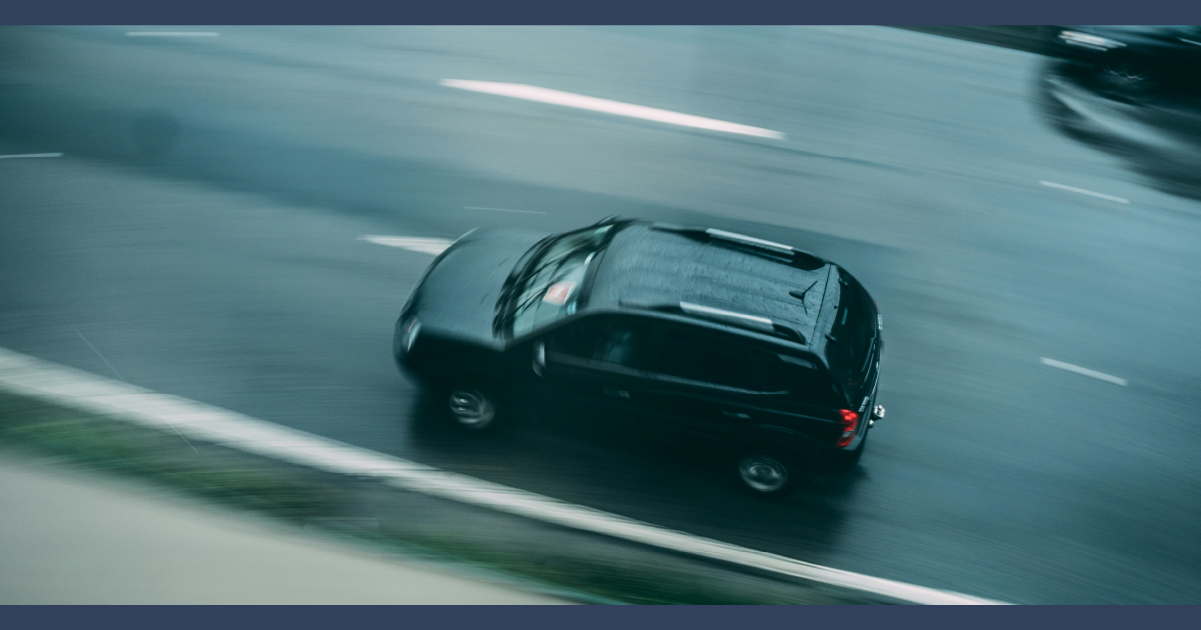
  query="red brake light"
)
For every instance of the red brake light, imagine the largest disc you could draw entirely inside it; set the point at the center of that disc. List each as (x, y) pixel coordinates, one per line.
(850, 422)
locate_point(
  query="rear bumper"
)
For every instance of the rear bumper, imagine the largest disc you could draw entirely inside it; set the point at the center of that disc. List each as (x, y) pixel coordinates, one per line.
(867, 409)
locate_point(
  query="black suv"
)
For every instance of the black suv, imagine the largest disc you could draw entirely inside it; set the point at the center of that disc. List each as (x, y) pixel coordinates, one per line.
(770, 351)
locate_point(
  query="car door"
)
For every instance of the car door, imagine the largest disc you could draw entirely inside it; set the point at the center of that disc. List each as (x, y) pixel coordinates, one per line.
(727, 387)
(703, 382)
(590, 367)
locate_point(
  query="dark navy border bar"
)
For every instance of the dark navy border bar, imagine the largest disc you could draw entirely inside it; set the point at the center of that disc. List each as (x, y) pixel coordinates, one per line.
(605, 617)
(895, 12)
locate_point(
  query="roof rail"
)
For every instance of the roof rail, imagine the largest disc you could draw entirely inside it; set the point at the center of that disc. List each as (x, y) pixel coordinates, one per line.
(743, 320)
(708, 312)
(749, 240)
(799, 258)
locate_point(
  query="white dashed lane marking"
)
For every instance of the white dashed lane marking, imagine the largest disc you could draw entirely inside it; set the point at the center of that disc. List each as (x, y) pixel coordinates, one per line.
(1084, 192)
(502, 210)
(1085, 371)
(617, 108)
(433, 246)
(18, 156)
(172, 34)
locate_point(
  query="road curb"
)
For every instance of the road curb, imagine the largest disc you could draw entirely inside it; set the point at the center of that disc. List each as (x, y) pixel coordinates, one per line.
(181, 422)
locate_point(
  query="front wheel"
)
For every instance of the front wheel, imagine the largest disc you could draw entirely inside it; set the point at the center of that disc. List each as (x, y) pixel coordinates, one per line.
(474, 407)
(767, 473)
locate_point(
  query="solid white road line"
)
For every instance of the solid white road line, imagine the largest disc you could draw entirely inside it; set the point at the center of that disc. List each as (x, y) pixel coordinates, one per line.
(172, 34)
(1084, 192)
(16, 156)
(433, 246)
(579, 101)
(29, 376)
(502, 210)
(1085, 371)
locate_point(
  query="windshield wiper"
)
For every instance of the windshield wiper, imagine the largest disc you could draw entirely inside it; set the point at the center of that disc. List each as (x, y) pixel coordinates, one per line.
(517, 272)
(526, 303)
(533, 296)
(544, 266)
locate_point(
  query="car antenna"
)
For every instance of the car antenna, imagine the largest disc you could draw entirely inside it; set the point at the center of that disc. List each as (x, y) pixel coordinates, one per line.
(801, 296)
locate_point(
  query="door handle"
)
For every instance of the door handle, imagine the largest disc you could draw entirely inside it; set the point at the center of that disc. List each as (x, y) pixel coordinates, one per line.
(736, 414)
(617, 393)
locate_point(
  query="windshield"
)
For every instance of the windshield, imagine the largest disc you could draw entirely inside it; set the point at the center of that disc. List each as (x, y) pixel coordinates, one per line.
(553, 287)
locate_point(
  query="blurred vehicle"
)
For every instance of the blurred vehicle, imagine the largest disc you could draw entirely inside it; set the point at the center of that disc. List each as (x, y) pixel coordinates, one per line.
(1136, 61)
(1160, 140)
(769, 351)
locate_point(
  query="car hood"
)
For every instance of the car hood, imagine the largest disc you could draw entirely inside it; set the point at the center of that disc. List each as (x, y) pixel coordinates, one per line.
(458, 295)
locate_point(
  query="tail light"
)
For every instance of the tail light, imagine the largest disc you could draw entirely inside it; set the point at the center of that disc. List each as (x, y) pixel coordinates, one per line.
(850, 423)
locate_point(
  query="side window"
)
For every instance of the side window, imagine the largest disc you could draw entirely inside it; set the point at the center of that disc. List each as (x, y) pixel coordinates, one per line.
(709, 357)
(577, 339)
(622, 341)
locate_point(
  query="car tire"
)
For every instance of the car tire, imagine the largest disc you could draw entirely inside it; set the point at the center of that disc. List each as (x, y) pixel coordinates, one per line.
(1127, 77)
(767, 472)
(473, 406)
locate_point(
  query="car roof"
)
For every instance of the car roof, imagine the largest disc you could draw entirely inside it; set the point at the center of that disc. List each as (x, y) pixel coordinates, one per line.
(648, 265)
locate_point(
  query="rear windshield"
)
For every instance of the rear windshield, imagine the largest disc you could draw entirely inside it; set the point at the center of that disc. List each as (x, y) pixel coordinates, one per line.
(553, 287)
(853, 334)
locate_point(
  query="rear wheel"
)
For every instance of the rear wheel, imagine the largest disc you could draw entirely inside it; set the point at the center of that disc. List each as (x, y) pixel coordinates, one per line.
(767, 472)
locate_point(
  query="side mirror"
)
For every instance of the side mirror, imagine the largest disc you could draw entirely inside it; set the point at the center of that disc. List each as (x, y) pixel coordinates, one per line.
(539, 357)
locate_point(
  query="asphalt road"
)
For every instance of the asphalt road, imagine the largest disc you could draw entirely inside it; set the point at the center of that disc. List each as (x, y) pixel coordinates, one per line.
(201, 237)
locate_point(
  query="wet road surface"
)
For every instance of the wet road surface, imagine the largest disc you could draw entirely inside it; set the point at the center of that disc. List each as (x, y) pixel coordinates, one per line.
(201, 237)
